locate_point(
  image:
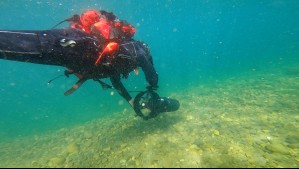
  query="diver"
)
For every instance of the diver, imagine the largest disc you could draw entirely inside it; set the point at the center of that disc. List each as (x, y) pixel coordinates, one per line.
(97, 45)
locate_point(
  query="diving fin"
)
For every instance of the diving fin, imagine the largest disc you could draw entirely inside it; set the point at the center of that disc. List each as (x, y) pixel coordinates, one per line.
(75, 86)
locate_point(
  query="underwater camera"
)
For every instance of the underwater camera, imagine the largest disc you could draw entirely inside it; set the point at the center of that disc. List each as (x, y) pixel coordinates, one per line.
(148, 104)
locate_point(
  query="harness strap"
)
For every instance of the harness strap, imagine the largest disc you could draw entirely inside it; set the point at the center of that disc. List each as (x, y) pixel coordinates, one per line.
(103, 84)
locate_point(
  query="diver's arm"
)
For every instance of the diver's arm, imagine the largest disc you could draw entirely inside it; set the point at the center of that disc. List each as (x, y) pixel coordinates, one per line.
(151, 76)
(117, 84)
(145, 61)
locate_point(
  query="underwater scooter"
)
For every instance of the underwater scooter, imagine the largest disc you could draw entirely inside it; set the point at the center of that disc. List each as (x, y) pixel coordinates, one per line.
(149, 104)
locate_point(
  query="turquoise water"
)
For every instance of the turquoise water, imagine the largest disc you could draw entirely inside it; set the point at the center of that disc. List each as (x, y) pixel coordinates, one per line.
(193, 43)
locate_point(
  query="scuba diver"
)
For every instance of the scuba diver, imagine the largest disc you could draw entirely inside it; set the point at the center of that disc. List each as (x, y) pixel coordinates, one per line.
(96, 45)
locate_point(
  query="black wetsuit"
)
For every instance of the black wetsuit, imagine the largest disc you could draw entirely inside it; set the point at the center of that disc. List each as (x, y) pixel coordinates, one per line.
(78, 51)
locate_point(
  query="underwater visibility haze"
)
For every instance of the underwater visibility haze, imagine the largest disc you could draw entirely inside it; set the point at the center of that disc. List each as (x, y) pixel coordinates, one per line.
(233, 65)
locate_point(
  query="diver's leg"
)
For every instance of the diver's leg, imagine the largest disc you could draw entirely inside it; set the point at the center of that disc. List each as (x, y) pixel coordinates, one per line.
(19, 46)
(61, 47)
(75, 86)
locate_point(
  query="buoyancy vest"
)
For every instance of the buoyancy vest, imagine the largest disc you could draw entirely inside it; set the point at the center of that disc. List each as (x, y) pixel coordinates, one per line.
(108, 32)
(113, 30)
(125, 30)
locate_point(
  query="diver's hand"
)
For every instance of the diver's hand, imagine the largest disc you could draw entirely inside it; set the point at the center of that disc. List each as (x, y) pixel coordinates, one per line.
(132, 102)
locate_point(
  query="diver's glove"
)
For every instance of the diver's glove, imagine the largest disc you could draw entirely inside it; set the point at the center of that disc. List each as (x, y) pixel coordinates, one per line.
(131, 102)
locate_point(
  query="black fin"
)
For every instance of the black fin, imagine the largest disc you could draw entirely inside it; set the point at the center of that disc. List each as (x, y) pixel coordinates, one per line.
(75, 86)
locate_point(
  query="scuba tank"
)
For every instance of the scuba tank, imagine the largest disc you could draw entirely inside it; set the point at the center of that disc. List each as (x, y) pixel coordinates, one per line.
(148, 104)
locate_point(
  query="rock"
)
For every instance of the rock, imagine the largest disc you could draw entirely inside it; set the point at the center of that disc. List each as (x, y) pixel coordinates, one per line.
(294, 145)
(131, 163)
(292, 138)
(88, 143)
(260, 161)
(72, 148)
(278, 148)
(56, 162)
(88, 135)
(216, 132)
(107, 149)
(198, 142)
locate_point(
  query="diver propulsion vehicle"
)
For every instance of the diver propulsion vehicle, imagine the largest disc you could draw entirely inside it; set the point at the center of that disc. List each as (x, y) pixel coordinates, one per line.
(149, 104)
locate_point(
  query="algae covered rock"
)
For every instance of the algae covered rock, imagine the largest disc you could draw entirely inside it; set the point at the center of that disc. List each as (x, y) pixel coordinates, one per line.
(72, 148)
(56, 162)
(278, 148)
